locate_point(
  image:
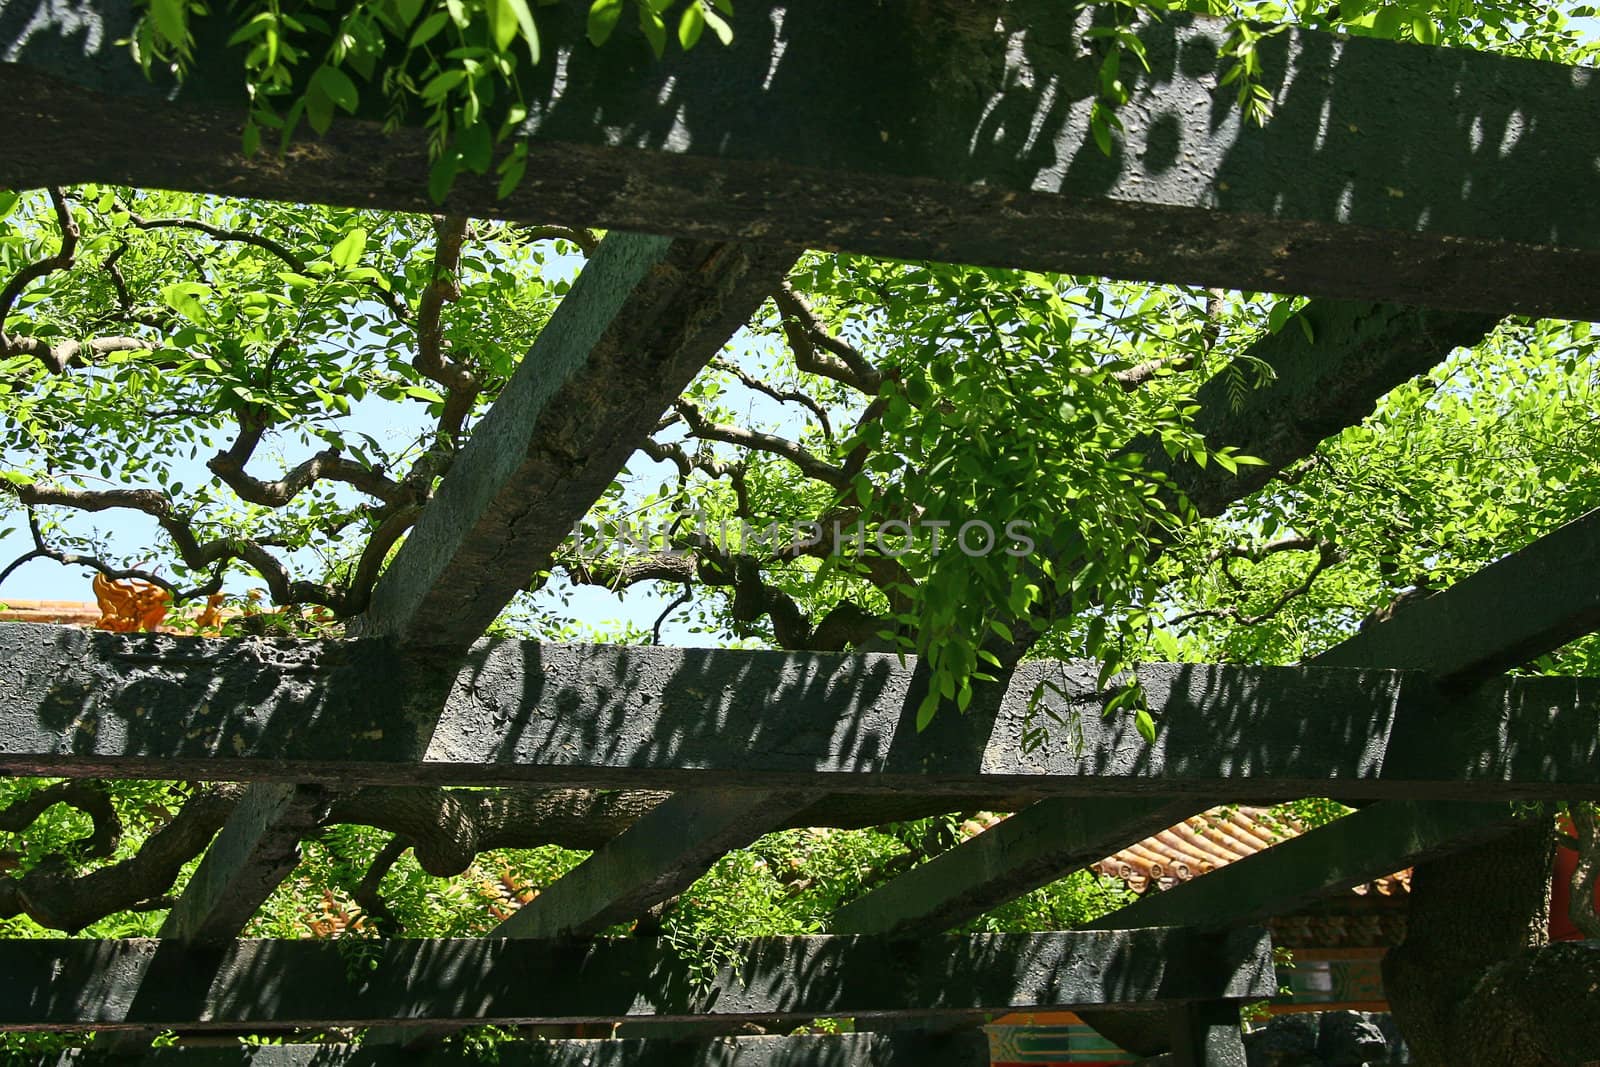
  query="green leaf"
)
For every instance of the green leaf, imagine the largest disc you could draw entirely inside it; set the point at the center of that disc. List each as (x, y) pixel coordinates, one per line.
(185, 298)
(603, 16)
(442, 175)
(172, 20)
(338, 86)
(926, 710)
(502, 22)
(1145, 725)
(690, 25)
(1167, 644)
(526, 26)
(347, 253)
(407, 10)
(251, 145)
(655, 30)
(476, 148)
(719, 25)
(429, 29)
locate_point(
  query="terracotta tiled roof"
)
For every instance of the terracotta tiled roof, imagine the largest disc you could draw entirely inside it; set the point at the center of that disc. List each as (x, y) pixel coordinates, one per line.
(1211, 840)
(59, 612)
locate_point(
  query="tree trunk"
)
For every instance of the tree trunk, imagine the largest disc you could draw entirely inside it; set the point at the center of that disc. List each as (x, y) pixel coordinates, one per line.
(1475, 984)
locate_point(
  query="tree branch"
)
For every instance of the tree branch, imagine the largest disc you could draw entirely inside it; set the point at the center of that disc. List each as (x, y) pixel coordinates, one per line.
(816, 351)
(811, 466)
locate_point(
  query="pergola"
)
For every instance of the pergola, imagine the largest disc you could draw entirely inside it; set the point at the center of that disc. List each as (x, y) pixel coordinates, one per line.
(1458, 185)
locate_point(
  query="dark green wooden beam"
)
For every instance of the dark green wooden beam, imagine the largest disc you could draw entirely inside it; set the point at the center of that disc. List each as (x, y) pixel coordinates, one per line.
(896, 1049)
(95, 704)
(657, 857)
(65, 984)
(957, 131)
(1321, 385)
(1514, 610)
(1032, 848)
(255, 850)
(1358, 848)
(645, 315)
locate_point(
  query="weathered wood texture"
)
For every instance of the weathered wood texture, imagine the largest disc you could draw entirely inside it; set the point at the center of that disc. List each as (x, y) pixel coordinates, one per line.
(1032, 848)
(1518, 608)
(655, 858)
(645, 314)
(897, 1049)
(98, 704)
(1206, 1035)
(643, 317)
(256, 849)
(1368, 844)
(954, 131)
(1320, 386)
(61, 984)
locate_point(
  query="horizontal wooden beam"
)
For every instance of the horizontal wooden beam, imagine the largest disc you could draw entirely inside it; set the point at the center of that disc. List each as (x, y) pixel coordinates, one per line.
(955, 132)
(1361, 847)
(1032, 848)
(645, 315)
(84, 703)
(1514, 610)
(903, 1048)
(67, 984)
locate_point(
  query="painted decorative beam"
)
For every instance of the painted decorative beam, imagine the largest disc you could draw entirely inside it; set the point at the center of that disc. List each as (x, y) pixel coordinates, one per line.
(84, 704)
(957, 131)
(1032, 848)
(901, 1048)
(1361, 847)
(65, 984)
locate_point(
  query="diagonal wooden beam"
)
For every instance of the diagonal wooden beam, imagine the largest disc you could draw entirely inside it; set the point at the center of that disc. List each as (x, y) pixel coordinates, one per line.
(657, 857)
(1521, 606)
(901, 1048)
(1030, 849)
(952, 132)
(1361, 847)
(645, 314)
(1322, 383)
(1514, 610)
(90, 704)
(53, 985)
(255, 850)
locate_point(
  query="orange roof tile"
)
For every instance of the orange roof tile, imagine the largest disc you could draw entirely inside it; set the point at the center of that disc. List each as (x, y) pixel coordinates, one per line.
(1211, 840)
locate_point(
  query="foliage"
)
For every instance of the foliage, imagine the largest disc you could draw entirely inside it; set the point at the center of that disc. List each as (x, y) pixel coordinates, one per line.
(166, 349)
(459, 64)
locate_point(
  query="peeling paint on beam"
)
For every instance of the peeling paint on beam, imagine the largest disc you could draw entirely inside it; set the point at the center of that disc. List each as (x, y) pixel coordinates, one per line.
(898, 1049)
(97, 704)
(955, 132)
(64, 984)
